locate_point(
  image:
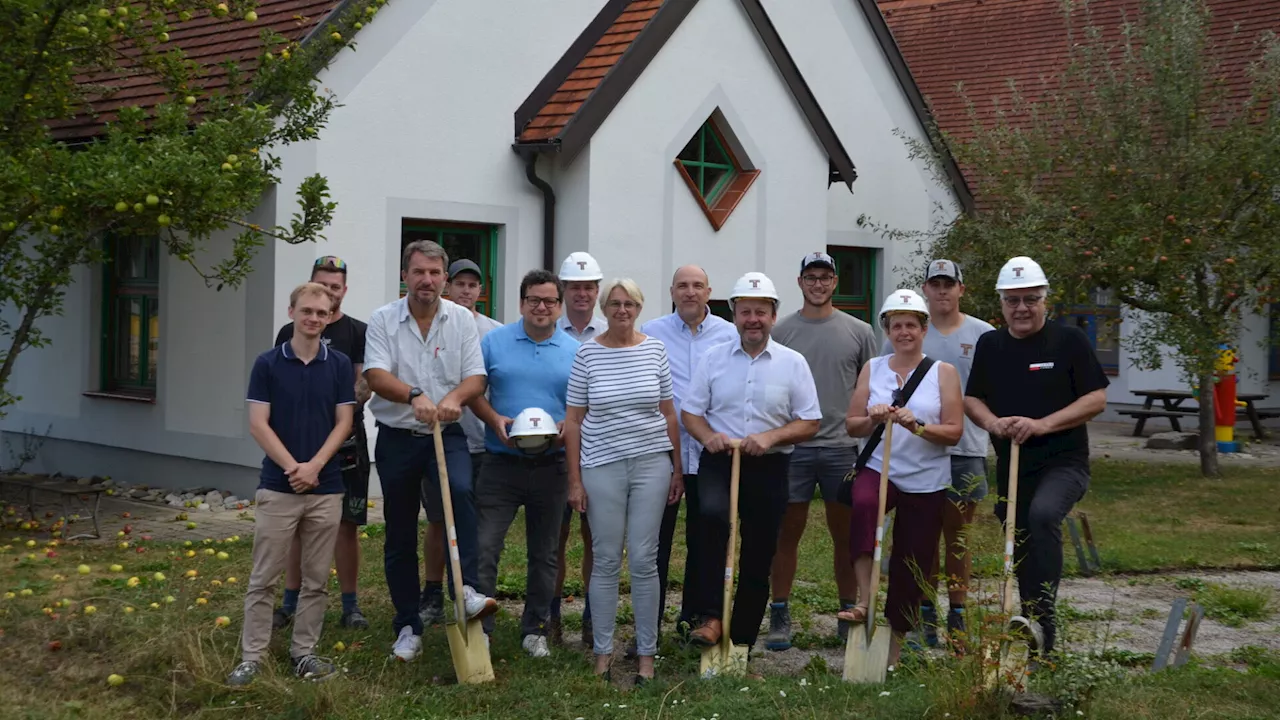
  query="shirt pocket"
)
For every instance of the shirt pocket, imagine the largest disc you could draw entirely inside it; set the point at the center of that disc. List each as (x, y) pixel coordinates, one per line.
(447, 365)
(777, 398)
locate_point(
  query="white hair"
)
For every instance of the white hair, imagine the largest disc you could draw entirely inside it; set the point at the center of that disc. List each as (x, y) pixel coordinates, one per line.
(628, 286)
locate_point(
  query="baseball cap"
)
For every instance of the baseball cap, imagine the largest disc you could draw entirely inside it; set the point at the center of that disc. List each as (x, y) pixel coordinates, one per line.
(817, 258)
(943, 268)
(465, 265)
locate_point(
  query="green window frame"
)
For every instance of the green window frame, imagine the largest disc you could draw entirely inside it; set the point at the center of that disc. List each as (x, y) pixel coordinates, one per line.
(475, 242)
(709, 163)
(856, 290)
(130, 315)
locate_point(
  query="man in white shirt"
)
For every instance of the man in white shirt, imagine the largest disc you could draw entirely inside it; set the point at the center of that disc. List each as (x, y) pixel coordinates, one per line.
(465, 284)
(687, 333)
(423, 364)
(762, 393)
(581, 276)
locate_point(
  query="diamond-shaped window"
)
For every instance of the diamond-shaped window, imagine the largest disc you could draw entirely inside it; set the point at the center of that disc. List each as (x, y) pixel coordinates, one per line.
(715, 168)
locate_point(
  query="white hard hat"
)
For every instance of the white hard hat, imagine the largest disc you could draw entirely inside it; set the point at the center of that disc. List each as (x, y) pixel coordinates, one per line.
(580, 266)
(1021, 272)
(533, 429)
(904, 300)
(754, 285)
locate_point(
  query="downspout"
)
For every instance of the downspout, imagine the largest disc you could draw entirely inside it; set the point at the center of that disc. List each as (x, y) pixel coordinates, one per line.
(548, 208)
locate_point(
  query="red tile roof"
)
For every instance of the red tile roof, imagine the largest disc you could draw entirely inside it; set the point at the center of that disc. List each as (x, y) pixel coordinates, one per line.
(984, 44)
(207, 41)
(568, 98)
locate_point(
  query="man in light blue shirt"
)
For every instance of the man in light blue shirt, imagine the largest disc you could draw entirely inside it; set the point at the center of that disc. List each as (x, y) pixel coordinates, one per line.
(688, 333)
(527, 364)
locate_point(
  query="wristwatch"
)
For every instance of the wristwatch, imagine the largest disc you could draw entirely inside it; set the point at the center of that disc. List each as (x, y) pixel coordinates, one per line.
(920, 429)
(413, 393)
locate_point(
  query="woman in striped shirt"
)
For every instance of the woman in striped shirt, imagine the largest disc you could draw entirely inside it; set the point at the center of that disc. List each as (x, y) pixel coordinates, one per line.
(622, 450)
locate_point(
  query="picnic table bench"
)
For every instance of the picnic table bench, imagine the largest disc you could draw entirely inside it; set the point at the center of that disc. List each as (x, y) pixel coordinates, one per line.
(1171, 409)
(28, 485)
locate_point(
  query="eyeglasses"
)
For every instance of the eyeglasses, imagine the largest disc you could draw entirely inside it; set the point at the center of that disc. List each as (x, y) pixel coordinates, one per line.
(818, 279)
(625, 304)
(331, 262)
(536, 301)
(1013, 301)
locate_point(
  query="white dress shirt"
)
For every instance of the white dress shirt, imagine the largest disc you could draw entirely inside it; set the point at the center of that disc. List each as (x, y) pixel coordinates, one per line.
(684, 350)
(593, 328)
(739, 395)
(435, 364)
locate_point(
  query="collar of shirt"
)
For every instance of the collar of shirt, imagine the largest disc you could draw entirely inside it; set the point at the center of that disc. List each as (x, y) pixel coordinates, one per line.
(596, 325)
(403, 314)
(286, 349)
(522, 334)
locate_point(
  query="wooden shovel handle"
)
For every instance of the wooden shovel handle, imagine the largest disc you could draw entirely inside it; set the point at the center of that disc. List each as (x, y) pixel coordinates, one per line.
(1010, 524)
(730, 552)
(451, 532)
(874, 588)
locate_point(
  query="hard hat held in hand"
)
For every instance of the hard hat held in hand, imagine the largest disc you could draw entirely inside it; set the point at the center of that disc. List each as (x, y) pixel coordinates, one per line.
(754, 285)
(904, 300)
(533, 430)
(580, 266)
(1021, 272)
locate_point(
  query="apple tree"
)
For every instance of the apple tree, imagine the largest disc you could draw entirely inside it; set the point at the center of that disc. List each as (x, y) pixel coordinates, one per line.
(1149, 169)
(195, 163)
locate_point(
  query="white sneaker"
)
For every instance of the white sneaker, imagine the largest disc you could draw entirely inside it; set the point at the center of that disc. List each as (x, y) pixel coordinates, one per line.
(477, 606)
(536, 646)
(408, 646)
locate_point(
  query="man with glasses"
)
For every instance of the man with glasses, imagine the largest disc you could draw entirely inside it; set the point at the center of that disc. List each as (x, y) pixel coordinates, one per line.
(1037, 384)
(527, 364)
(346, 335)
(835, 344)
(465, 284)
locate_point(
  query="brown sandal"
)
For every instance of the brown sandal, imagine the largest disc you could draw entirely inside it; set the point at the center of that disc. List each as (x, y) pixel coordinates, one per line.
(856, 615)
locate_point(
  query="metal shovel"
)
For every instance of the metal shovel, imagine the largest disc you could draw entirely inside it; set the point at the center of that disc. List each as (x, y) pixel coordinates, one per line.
(466, 638)
(725, 658)
(866, 653)
(1021, 634)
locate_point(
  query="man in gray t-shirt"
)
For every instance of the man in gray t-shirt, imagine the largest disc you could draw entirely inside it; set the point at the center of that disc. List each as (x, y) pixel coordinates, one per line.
(836, 345)
(951, 338)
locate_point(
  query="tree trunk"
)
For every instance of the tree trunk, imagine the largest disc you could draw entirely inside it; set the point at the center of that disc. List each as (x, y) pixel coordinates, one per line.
(1208, 444)
(19, 338)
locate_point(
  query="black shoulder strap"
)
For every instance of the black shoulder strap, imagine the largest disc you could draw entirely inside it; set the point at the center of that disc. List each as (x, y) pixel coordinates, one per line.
(912, 383)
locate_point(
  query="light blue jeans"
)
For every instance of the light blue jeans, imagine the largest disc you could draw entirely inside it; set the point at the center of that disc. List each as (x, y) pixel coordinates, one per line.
(626, 500)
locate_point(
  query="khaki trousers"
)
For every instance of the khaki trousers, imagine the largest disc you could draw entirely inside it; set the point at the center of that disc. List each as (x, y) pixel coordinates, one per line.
(277, 518)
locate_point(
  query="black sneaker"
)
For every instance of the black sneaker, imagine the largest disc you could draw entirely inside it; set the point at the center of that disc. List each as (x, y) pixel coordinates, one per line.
(313, 668)
(280, 619)
(354, 619)
(779, 637)
(431, 609)
(244, 673)
(929, 619)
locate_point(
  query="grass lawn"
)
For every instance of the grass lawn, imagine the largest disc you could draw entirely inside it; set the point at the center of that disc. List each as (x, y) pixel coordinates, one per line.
(174, 658)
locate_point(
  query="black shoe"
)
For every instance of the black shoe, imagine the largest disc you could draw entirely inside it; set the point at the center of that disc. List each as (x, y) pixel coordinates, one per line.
(929, 619)
(354, 619)
(779, 637)
(955, 622)
(313, 668)
(281, 619)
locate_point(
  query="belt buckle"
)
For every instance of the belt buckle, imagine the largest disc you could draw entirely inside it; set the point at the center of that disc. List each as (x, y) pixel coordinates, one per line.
(420, 433)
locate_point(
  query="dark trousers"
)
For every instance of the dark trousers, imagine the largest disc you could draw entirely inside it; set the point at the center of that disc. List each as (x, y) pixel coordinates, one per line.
(916, 529)
(408, 471)
(541, 485)
(667, 535)
(762, 501)
(1044, 499)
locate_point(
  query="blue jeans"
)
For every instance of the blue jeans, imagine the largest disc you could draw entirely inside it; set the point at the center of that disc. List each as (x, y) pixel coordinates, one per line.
(408, 471)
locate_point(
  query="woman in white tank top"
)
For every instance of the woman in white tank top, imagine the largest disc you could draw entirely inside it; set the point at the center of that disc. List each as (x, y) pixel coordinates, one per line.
(919, 466)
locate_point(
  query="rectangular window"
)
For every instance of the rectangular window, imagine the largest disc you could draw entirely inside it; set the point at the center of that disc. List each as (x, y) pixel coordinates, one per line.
(131, 315)
(477, 243)
(855, 291)
(1100, 321)
(1273, 349)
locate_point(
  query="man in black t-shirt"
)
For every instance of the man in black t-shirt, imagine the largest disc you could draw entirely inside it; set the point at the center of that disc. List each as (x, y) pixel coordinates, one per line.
(346, 335)
(1036, 384)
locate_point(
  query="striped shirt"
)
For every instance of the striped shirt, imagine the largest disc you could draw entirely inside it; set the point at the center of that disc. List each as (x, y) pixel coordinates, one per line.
(621, 389)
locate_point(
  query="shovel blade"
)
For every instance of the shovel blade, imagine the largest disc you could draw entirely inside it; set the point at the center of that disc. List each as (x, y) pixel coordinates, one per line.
(1006, 671)
(866, 662)
(470, 654)
(723, 661)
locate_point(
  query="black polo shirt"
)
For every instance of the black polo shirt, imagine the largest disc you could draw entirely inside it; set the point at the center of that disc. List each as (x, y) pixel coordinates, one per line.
(1034, 377)
(304, 400)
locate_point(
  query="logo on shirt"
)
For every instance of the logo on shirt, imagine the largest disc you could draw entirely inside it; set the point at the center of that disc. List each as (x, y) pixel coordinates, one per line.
(1033, 367)
(966, 348)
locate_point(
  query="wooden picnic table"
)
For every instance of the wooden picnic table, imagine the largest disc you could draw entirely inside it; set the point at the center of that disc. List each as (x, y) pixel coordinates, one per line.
(1171, 409)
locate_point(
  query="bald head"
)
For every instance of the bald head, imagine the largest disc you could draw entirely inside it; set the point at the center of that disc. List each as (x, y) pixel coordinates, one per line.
(690, 291)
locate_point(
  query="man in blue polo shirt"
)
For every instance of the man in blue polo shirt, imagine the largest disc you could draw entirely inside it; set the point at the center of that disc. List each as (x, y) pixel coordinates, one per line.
(301, 403)
(528, 364)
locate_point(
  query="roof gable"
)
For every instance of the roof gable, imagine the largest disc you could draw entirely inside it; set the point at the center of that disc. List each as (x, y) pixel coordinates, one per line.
(575, 97)
(207, 41)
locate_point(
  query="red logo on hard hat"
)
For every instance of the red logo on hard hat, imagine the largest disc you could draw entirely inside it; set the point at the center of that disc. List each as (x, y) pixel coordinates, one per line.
(582, 264)
(755, 283)
(534, 421)
(1017, 272)
(905, 298)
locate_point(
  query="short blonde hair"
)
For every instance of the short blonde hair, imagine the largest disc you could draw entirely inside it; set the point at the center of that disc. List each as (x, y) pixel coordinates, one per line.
(888, 317)
(311, 288)
(628, 286)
